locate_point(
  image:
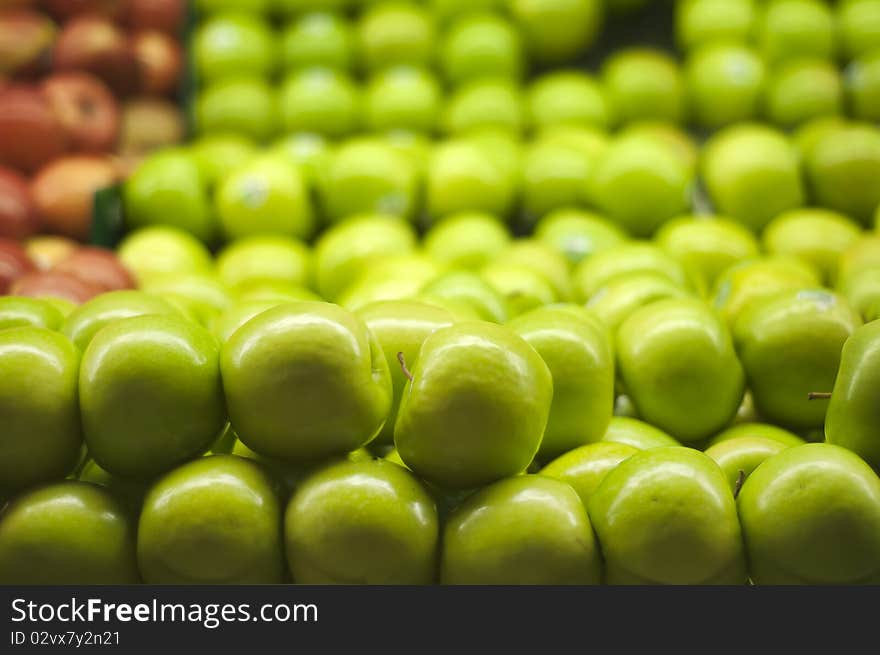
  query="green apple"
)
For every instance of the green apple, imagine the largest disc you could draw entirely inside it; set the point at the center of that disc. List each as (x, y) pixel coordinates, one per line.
(858, 26)
(68, 533)
(577, 349)
(319, 100)
(678, 365)
(459, 309)
(305, 380)
(724, 83)
(466, 240)
(216, 154)
(446, 11)
(169, 189)
(543, 259)
(414, 146)
(41, 439)
(818, 236)
(556, 31)
(89, 318)
(266, 195)
(199, 296)
(667, 516)
(215, 520)
(567, 97)
(344, 251)
(481, 44)
(700, 22)
(402, 98)
(462, 177)
(395, 33)
(640, 183)
(644, 84)
(501, 146)
(469, 288)
(803, 89)
(308, 151)
(392, 278)
(317, 39)
(476, 408)
(584, 468)
(842, 169)
(554, 176)
(274, 290)
(707, 245)
(638, 434)
(789, 345)
(484, 103)
(161, 250)
(522, 287)
(590, 141)
(862, 291)
(233, 44)
(208, 7)
(366, 522)
(366, 175)
(792, 29)
(578, 234)
(810, 515)
(20, 311)
(762, 431)
(861, 80)
(624, 294)
(150, 394)
(526, 530)
(853, 411)
(751, 281)
(752, 174)
(300, 7)
(240, 106)
(738, 457)
(626, 258)
(684, 145)
(401, 326)
(237, 315)
(264, 258)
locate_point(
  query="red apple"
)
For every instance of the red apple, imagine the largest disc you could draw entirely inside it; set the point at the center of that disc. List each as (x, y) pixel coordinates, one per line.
(100, 268)
(148, 124)
(64, 10)
(98, 46)
(30, 133)
(14, 262)
(163, 15)
(161, 62)
(48, 250)
(55, 284)
(18, 215)
(86, 109)
(26, 39)
(64, 193)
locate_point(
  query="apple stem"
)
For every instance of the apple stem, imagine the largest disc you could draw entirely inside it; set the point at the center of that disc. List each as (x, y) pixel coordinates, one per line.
(740, 478)
(402, 360)
(819, 395)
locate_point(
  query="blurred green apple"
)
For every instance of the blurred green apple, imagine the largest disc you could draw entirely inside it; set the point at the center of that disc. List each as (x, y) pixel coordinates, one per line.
(522, 287)
(644, 84)
(449, 10)
(467, 240)
(320, 100)
(625, 258)
(394, 33)
(469, 288)
(481, 44)
(216, 154)
(484, 103)
(308, 151)
(682, 143)
(554, 176)
(584, 468)
(803, 89)
(862, 291)
(264, 258)
(392, 278)
(40, 440)
(763, 431)
(199, 296)
(215, 520)
(624, 294)
(543, 259)
(725, 83)
(476, 408)
(234, 44)
(858, 27)
(305, 380)
(161, 250)
(699, 22)
(636, 433)
(577, 233)
(20, 311)
(555, 31)
(68, 533)
(368, 522)
(792, 29)
(810, 516)
(861, 79)
(317, 39)
(567, 97)
(526, 530)
(237, 315)
(402, 98)
(240, 106)
(667, 516)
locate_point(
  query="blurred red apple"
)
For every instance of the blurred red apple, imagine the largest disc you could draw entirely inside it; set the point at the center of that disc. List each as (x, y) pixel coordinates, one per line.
(99, 267)
(55, 284)
(26, 39)
(161, 62)
(14, 262)
(30, 132)
(86, 109)
(163, 15)
(97, 45)
(64, 10)
(18, 215)
(46, 251)
(149, 123)
(64, 193)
